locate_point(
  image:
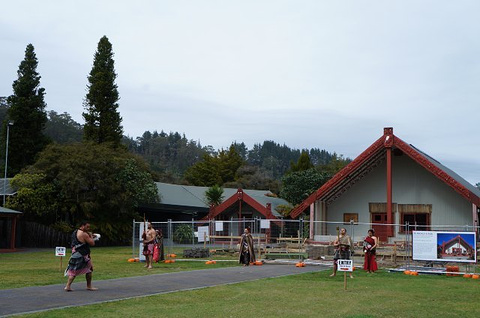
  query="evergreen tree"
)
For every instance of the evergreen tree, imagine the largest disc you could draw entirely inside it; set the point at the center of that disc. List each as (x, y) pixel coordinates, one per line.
(27, 112)
(3, 108)
(302, 164)
(215, 170)
(102, 120)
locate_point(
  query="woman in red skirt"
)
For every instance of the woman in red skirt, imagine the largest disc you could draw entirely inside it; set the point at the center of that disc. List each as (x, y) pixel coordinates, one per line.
(370, 244)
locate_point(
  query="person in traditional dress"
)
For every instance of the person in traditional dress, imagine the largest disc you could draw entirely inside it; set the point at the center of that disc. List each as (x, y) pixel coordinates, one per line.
(80, 262)
(370, 244)
(158, 252)
(149, 244)
(247, 253)
(343, 249)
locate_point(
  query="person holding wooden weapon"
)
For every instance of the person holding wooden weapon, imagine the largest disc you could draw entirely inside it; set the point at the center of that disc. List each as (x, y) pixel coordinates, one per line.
(343, 249)
(148, 237)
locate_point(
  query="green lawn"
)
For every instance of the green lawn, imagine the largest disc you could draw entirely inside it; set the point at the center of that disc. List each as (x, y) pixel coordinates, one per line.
(43, 268)
(307, 295)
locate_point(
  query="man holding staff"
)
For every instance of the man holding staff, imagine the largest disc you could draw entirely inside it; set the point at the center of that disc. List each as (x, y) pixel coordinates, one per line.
(148, 245)
(344, 247)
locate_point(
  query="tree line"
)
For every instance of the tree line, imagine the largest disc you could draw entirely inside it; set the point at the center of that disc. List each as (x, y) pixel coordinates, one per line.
(65, 171)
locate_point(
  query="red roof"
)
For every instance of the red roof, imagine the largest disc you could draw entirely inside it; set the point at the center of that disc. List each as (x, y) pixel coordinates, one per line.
(240, 195)
(373, 156)
(457, 239)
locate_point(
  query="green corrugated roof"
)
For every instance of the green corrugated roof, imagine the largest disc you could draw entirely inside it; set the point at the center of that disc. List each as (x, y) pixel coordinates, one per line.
(193, 196)
(8, 211)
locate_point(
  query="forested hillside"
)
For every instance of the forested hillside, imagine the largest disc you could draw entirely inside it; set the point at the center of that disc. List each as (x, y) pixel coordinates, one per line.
(170, 155)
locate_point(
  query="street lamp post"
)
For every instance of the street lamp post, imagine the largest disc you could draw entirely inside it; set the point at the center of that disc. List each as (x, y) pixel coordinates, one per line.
(10, 123)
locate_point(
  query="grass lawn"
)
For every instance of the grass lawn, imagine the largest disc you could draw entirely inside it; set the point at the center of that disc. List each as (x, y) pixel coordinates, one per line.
(43, 268)
(307, 295)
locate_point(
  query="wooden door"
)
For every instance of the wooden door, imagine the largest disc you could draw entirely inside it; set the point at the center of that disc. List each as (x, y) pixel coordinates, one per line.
(381, 231)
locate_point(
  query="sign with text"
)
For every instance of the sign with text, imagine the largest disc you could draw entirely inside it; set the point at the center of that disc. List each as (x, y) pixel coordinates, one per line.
(203, 234)
(444, 246)
(345, 265)
(60, 251)
(218, 226)
(143, 226)
(264, 224)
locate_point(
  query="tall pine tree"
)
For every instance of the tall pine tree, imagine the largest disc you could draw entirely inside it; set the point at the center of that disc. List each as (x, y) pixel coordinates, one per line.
(27, 112)
(102, 120)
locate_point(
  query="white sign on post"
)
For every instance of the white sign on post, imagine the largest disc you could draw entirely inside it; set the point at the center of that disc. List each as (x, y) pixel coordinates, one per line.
(264, 224)
(203, 234)
(141, 257)
(345, 265)
(219, 226)
(60, 251)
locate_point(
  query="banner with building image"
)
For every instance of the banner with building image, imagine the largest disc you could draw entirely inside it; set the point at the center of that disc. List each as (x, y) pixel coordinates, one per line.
(445, 246)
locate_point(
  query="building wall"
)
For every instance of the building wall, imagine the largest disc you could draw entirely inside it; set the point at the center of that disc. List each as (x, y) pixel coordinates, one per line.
(412, 184)
(456, 246)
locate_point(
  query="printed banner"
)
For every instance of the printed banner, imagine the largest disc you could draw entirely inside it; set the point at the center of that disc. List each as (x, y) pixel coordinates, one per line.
(264, 224)
(203, 234)
(445, 246)
(140, 234)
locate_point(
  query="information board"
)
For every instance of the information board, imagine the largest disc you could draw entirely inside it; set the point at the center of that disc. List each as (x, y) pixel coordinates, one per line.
(444, 246)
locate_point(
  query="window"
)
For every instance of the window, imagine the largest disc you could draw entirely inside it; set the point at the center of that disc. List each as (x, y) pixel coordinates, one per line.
(417, 221)
(417, 215)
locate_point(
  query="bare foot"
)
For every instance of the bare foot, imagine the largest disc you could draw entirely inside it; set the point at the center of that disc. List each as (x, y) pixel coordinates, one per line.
(145, 266)
(92, 288)
(149, 267)
(333, 275)
(351, 276)
(68, 289)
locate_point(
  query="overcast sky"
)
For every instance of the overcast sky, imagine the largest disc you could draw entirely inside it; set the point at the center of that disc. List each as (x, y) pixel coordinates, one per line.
(323, 74)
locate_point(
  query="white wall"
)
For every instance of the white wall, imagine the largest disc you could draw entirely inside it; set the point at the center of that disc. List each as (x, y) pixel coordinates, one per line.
(412, 184)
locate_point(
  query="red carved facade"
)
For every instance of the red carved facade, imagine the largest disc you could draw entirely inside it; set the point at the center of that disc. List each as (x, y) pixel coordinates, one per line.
(381, 147)
(238, 198)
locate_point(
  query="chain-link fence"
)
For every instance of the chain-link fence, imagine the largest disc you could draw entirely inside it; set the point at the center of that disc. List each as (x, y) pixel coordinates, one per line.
(277, 238)
(220, 234)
